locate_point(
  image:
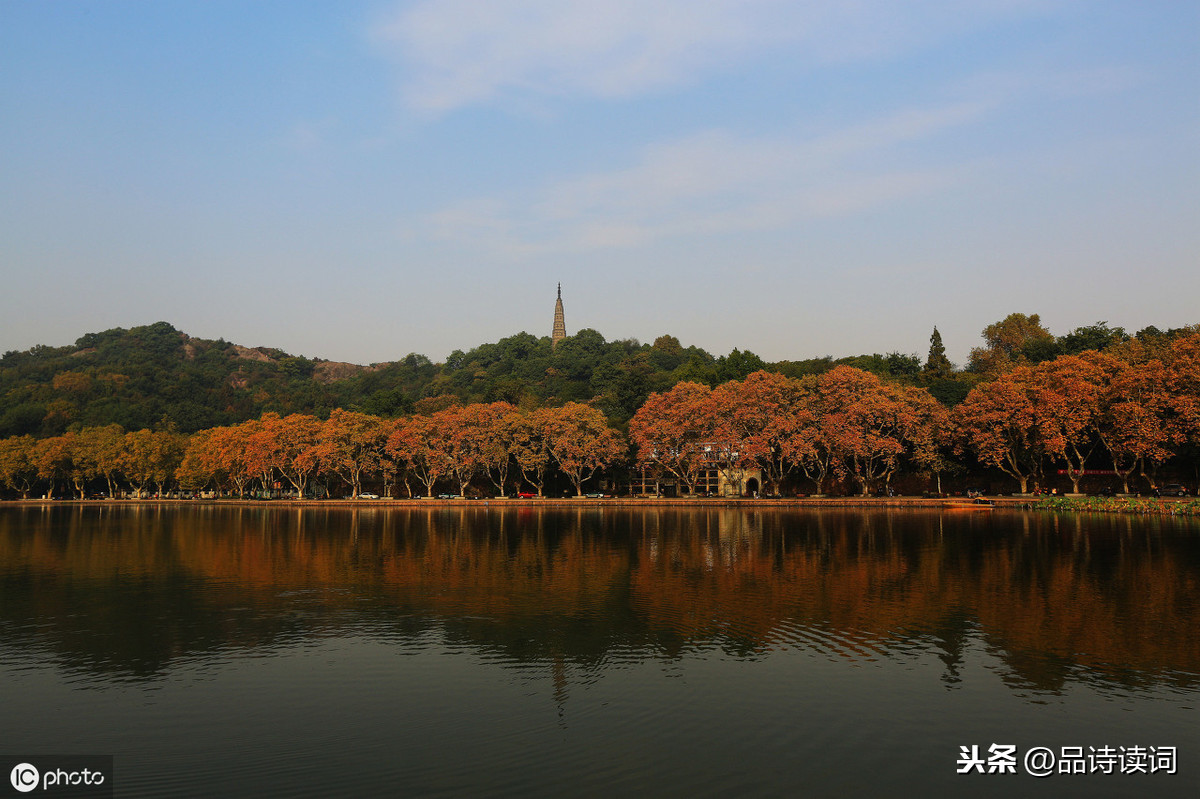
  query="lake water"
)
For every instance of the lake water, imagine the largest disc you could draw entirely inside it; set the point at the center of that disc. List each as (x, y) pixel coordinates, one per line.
(485, 651)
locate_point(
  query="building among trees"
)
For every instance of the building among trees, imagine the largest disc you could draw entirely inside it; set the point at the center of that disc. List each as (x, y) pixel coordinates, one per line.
(718, 478)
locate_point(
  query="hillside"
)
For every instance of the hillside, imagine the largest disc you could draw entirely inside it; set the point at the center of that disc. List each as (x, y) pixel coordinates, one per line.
(158, 376)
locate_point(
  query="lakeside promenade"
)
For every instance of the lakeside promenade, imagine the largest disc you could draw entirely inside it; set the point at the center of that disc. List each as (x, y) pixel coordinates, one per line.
(1017, 502)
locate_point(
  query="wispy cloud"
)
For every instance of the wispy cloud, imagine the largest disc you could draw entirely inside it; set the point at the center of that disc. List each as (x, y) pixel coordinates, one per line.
(708, 184)
(460, 52)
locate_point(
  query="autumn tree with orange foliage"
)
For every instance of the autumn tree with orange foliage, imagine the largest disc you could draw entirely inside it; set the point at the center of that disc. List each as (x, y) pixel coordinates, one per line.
(422, 442)
(530, 447)
(770, 420)
(227, 457)
(580, 441)
(392, 466)
(1066, 399)
(351, 444)
(1065, 408)
(1134, 424)
(196, 471)
(670, 429)
(729, 446)
(102, 450)
(151, 456)
(1183, 384)
(928, 431)
(484, 436)
(462, 441)
(870, 425)
(63, 457)
(805, 443)
(293, 446)
(998, 423)
(18, 470)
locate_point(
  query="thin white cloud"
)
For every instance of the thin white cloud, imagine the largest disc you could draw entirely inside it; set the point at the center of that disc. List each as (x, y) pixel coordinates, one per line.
(460, 52)
(709, 184)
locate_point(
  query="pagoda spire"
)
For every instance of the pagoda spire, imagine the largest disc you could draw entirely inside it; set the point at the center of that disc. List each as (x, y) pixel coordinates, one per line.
(560, 325)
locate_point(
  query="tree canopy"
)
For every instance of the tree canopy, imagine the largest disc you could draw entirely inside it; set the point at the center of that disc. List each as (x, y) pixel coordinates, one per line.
(156, 377)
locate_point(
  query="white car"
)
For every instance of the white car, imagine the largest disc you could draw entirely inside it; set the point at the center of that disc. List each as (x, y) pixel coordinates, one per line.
(368, 496)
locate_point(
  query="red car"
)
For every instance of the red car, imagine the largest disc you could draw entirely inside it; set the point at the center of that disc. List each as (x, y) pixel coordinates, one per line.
(525, 495)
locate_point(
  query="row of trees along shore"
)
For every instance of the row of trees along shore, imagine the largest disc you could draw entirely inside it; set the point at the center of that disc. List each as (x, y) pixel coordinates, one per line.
(1126, 411)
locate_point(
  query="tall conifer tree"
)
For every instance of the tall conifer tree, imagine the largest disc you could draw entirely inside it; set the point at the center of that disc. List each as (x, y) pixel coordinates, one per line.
(937, 365)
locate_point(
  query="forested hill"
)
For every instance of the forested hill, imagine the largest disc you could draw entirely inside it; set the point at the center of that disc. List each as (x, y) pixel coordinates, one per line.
(156, 376)
(146, 377)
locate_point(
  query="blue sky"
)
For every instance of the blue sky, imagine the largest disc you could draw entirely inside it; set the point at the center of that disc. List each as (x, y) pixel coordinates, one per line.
(356, 181)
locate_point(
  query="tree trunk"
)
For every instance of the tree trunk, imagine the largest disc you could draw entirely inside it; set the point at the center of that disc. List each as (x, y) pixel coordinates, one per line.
(300, 483)
(1152, 477)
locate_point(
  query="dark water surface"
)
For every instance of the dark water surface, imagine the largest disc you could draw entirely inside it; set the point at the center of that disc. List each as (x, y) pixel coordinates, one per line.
(259, 651)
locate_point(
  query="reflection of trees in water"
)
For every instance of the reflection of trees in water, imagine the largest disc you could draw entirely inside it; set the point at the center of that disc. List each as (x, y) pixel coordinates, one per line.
(1059, 599)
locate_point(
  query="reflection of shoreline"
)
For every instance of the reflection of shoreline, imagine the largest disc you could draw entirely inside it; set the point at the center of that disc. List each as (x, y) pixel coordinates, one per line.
(1048, 595)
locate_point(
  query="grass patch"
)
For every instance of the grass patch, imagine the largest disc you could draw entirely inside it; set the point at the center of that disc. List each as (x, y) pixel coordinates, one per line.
(1156, 507)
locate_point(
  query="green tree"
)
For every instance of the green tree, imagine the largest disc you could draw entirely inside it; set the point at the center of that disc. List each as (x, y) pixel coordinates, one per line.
(937, 365)
(667, 353)
(1096, 337)
(737, 365)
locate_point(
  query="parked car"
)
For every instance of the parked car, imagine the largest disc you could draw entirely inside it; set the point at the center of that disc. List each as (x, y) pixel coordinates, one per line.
(1173, 490)
(595, 495)
(447, 496)
(526, 495)
(368, 496)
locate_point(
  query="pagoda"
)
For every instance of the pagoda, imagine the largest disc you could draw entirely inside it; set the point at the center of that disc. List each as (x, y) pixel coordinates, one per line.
(560, 325)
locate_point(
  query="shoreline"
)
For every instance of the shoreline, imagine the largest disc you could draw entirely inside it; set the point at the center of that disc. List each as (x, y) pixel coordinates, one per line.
(1164, 506)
